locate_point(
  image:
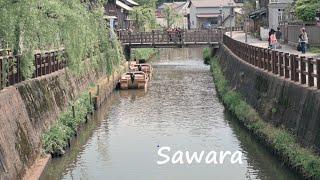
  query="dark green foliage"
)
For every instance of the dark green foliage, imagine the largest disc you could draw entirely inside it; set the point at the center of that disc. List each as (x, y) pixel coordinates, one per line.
(206, 53)
(306, 9)
(143, 53)
(56, 139)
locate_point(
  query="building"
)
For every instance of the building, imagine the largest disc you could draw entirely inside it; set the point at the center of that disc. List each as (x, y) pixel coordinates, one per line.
(209, 13)
(260, 15)
(117, 13)
(181, 8)
(277, 14)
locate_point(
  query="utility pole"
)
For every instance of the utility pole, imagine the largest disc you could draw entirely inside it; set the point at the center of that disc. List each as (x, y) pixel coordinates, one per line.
(231, 17)
(246, 25)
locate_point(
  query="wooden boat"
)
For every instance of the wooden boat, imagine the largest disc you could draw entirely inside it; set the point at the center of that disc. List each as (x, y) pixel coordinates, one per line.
(146, 68)
(134, 80)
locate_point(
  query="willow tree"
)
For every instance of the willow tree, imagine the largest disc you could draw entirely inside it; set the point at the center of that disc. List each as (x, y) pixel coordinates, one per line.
(30, 25)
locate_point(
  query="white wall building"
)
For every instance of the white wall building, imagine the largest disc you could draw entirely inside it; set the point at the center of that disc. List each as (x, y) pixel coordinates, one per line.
(277, 13)
(211, 11)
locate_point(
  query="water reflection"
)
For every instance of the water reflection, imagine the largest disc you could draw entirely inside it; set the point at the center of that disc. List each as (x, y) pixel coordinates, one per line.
(180, 110)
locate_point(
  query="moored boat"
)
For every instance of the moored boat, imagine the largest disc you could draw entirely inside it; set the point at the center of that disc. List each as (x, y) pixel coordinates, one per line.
(134, 80)
(146, 68)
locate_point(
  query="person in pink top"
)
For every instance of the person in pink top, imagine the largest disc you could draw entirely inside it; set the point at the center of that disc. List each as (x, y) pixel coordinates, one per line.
(273, 40)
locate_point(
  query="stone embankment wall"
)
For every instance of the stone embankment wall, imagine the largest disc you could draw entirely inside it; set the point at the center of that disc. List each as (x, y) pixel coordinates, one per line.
(28, 109)
(280, 102)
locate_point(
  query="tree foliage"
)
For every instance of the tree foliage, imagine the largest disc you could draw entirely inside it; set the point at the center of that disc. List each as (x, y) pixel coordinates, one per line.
(171, 16)
(306, 9)
(29, 25)
(144, 18)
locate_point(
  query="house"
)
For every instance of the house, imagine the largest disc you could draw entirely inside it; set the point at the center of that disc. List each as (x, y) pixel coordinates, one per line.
(276, 9)
(204, 13)
(260, 15)
(117, 13)
(181, 8)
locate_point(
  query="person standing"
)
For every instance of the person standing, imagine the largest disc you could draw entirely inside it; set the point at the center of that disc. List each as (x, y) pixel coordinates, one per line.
(278, 36)
(303, 40)
(273, 40)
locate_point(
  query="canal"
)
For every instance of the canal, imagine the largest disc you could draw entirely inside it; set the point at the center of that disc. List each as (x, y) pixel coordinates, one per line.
(180, 110)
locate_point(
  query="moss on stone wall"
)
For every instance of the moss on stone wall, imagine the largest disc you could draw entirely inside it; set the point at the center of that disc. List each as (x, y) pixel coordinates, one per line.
(279, 141)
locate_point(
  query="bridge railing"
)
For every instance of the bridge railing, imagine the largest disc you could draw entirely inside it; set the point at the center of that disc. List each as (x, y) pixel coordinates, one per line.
(180, 37)
(302, 70)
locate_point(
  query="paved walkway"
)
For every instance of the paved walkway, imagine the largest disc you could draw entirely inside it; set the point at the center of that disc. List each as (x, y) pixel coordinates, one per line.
(240, 36)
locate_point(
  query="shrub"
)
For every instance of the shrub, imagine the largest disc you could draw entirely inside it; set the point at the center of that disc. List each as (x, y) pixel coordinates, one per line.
(206, 53)
(55, 141)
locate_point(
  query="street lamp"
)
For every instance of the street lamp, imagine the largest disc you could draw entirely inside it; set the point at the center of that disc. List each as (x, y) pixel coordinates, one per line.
(231, 16)
(221, 19)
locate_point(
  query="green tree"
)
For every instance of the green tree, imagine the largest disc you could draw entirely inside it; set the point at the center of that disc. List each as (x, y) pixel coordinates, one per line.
(171, 16)
(306, 9)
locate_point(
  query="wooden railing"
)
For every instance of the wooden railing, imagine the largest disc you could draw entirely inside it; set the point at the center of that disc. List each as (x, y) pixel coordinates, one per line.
(45, 63)
(161, 37)
(305, 71)
(49, 62)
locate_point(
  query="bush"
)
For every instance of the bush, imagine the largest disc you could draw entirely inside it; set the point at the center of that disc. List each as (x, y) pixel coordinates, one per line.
(206, 53)
(56, 140)
(143, 53)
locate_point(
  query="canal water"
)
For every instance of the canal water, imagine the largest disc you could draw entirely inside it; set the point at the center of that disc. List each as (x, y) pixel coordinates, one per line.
(180, 110)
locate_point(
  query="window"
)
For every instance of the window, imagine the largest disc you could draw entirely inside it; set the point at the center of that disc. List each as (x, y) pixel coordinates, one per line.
(280, 15)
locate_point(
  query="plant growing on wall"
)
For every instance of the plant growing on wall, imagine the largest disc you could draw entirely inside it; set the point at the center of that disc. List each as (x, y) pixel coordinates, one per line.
(29, 25)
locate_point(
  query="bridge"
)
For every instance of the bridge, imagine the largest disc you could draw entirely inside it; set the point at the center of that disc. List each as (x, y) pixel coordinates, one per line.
(164, 39)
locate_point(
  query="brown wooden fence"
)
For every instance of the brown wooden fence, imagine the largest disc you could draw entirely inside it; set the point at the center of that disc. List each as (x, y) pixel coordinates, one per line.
(305, 71)
(290, 33)
(45, 63)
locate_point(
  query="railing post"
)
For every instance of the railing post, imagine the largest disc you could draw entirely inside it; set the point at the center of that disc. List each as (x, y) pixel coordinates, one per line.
(318, 73)
(152, 38)
(303, 70)
(286, 65)
(141, 37)
(280, 67)
(129, 34)
(273, 62)
(310, 72)
(296, 64)
(270, 54)
(1, 73)
(292, 67)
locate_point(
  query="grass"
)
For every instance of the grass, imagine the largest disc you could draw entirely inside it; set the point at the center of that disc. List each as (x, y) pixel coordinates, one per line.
(143, 53)
(305, 161)
(206, 55)
(315, 50)
(56, 140)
